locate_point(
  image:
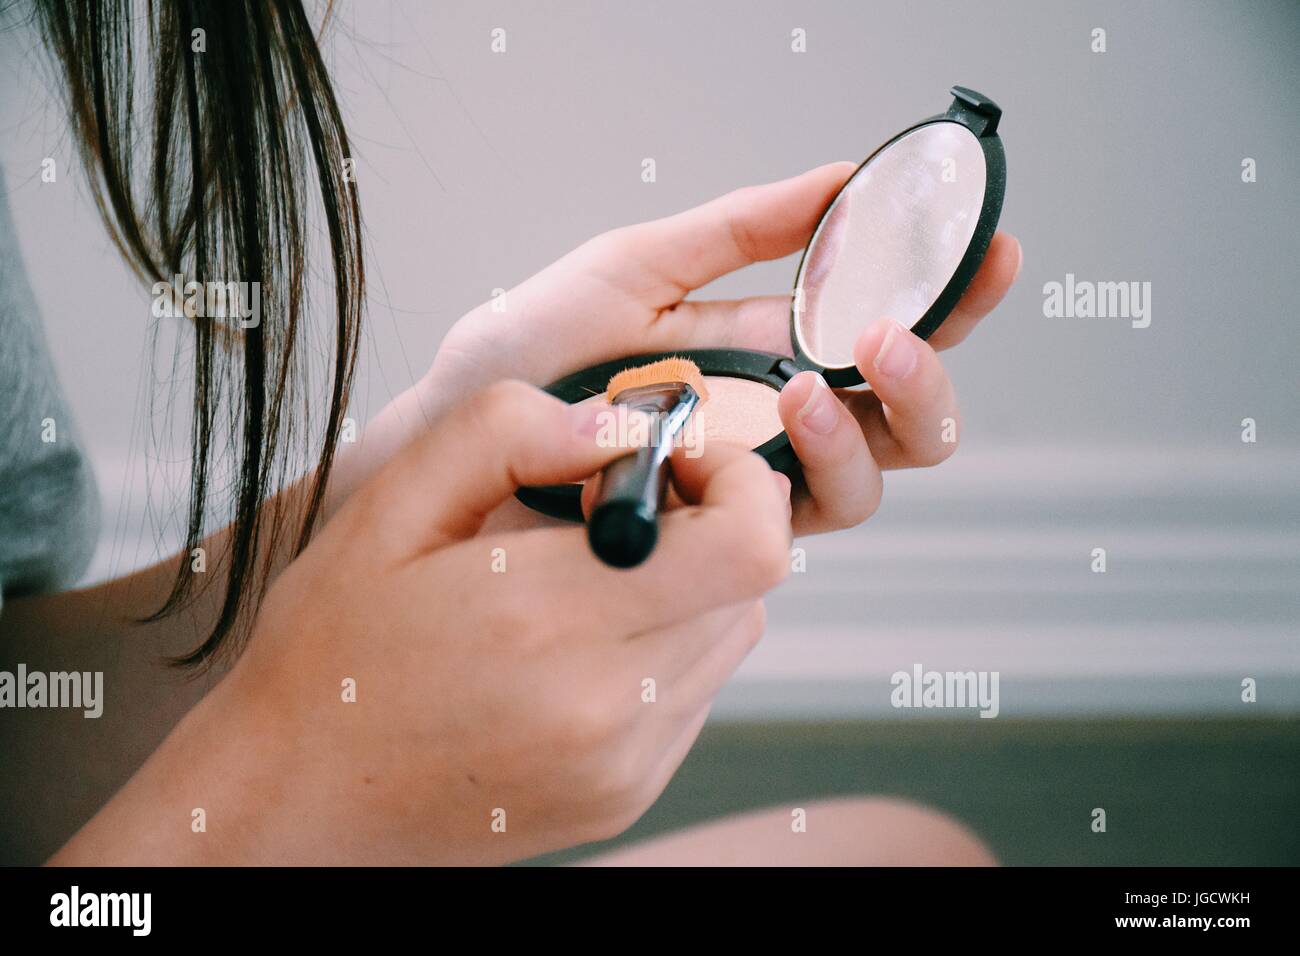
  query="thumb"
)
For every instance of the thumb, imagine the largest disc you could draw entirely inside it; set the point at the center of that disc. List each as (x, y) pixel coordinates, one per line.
(446, 482)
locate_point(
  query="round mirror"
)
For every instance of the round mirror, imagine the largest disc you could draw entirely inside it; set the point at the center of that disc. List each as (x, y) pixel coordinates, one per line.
(891, 241)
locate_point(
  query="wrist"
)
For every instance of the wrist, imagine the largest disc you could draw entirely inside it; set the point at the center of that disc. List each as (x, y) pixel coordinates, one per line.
(211, 794)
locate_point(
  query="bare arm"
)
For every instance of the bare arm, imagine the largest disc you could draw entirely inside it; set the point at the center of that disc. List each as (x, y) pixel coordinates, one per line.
(288, 770)
(59, 766)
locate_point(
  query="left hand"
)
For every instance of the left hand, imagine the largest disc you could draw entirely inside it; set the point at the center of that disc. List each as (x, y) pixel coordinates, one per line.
(624, 292)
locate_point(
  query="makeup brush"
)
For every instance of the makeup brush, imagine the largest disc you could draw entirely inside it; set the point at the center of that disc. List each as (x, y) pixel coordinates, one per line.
(624, 527)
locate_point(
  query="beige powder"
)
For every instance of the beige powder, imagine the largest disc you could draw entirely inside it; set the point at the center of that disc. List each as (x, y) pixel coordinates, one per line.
(738, 410)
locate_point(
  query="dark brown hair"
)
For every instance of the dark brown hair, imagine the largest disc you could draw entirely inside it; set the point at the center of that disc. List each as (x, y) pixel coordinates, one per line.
(213, 180)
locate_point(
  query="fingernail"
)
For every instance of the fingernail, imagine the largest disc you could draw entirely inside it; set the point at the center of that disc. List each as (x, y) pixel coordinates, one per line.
(897, 355)
(819, 413)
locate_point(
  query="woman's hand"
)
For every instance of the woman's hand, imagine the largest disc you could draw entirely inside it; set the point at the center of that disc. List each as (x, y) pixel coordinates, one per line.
(512, 695)
(624, 292)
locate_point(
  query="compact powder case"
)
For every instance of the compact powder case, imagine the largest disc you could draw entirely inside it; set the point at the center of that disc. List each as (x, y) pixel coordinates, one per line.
(902, 239)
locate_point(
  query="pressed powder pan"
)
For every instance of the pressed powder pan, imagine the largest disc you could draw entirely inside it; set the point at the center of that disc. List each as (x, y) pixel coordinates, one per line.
(901, 239)
(738, 410)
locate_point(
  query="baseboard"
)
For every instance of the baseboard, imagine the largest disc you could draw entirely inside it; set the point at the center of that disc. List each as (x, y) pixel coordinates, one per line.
(986, 564)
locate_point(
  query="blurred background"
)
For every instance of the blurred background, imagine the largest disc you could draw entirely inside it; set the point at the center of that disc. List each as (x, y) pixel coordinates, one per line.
(1121, 689)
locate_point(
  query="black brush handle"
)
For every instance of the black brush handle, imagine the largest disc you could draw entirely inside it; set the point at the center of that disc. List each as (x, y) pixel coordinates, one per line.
(624, 523)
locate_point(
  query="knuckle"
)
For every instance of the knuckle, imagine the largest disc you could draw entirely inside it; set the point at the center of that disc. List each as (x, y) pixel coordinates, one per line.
(848, 510)
(863, 506)
(935, 453)
(754, 624)
(740, 230)
(634, 792)
(367, 506)
(617, 821)
(500, 407)
(584, 729)
(503, 396)
(624, 775)
(765, 557)
(515, 622)
(622, 822)
(612, 242)
(619, 791)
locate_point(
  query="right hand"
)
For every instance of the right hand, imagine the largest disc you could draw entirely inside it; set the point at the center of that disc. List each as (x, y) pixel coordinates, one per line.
(480, 691)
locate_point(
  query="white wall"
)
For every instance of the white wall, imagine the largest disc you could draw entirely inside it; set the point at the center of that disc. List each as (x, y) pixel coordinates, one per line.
(476, 169)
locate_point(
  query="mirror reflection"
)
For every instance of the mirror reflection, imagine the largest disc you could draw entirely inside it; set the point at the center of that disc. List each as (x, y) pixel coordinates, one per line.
(891, 240)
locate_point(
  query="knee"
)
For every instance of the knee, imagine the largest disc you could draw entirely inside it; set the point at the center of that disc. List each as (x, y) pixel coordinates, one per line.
(885, 831)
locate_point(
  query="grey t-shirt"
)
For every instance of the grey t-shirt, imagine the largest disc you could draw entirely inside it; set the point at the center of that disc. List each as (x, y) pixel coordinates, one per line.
(49, 507)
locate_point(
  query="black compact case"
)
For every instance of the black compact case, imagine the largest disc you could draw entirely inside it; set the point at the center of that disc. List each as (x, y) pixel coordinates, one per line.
(979, 116)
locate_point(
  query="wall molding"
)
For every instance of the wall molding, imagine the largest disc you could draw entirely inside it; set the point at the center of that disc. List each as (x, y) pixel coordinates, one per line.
(984, 563)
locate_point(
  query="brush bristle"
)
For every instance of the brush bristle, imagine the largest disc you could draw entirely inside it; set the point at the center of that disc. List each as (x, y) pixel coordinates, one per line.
(674, 369)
